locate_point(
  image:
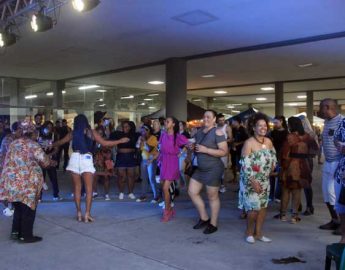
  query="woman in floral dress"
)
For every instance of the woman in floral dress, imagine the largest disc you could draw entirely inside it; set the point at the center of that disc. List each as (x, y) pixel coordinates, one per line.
(257, 161)
(4, 146)
(22, 181)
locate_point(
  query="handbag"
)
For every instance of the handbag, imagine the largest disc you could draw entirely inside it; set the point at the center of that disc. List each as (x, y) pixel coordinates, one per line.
(341, 199)
(190, 169)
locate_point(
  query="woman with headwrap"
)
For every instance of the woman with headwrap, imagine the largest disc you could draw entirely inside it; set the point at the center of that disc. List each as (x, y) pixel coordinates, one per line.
(22, 181)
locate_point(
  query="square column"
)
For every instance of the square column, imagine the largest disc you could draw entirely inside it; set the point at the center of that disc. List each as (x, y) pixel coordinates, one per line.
(279, 98)
(310, 106)
(176, 88)
(57, 87)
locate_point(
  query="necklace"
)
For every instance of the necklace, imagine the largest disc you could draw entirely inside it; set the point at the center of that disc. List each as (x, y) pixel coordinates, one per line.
(262, 143)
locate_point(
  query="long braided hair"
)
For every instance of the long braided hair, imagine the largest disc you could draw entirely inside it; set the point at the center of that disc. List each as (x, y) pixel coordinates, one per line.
(176, 127)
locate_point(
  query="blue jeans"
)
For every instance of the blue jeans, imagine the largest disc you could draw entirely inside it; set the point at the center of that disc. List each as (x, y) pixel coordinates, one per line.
(148, 175)
(182, 166)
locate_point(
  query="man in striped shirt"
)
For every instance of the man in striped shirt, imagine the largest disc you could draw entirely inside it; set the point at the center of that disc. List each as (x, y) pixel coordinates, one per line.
(329, 112)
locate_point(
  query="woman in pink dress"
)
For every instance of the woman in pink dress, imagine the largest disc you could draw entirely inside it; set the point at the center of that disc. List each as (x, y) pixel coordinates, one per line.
(170, 143)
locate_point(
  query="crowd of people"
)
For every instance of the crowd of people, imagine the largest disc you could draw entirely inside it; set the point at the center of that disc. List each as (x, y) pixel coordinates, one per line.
(268, 165)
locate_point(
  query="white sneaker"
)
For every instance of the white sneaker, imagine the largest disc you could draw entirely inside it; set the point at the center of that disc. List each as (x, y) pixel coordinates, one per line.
(131, 196)
(107, 198)
(94, 194)
(222, 189)
(163, 206)
(121, 196)
(57, 198)
(250, 239)
(8, 212)
(154, 201)
(265, 239)
(45, 186)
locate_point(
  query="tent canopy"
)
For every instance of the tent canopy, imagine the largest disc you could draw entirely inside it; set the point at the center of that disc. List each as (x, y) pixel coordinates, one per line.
(194, 112)
(245, 114)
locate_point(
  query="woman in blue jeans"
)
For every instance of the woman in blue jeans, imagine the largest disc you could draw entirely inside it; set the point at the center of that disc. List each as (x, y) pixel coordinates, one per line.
(147, 143)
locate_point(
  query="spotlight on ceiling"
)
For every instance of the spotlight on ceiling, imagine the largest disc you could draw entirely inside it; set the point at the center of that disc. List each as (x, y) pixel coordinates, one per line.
(41, 22)
(85, 5)
(7, 38)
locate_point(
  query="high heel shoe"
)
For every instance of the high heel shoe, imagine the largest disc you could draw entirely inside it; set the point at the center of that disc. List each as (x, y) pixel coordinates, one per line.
(79, 217)
(88, 219)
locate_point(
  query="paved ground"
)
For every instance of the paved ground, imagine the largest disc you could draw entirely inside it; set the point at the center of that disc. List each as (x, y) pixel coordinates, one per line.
(129, 235)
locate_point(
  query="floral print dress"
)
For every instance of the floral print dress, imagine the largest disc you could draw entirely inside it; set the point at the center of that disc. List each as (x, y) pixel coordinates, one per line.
(339, 136)
(5, 144)
(259, 165)
(22, 176)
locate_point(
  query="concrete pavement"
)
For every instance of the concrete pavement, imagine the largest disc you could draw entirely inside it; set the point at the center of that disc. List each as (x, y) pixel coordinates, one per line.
(129, 235)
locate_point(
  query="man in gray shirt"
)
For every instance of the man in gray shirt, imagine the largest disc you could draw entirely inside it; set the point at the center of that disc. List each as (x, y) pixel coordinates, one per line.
(329, 112)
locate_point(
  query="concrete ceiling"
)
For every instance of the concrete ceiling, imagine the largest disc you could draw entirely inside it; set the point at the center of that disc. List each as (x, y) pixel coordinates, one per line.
(119, 34)
(93, 48)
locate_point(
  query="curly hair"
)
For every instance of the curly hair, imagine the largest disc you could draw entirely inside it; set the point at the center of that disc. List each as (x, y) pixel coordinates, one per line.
(254, 119)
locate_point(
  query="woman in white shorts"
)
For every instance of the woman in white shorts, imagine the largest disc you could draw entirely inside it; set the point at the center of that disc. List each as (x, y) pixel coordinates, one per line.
(81, 161)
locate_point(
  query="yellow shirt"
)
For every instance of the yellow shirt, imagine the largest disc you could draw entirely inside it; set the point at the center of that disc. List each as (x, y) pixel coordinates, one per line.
(152, 144)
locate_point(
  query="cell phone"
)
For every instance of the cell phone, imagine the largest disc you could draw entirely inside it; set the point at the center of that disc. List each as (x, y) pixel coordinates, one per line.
(106, 122)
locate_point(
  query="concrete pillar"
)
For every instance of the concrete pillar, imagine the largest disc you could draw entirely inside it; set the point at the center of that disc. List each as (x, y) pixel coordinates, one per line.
(176, 88)
(209, 102)
(13, 89)
(279, 98)
(310, 106)
(57, 87)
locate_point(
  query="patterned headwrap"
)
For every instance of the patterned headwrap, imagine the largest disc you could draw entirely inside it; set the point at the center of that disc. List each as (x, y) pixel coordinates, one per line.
(27, 127)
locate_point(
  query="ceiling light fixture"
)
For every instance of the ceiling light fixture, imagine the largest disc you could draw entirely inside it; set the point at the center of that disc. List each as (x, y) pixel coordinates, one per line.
(101, 90)
(261, 98)
(220, 92)
(148, 99)
(208, 76)
(50, 94)
(156, 82)
(152, 95)
(302, 96)
(30, 96)
(41, 22)
(101, 105)
(197, 99)
(234, 111)
(230, 106)
(7, 38)
(63, 92)
(268, 88)
(292, 104)
(127, 97)
(100, 99)
(152, 108)
(142, 103)
(86, 87)
(85, 5)
(305, 65)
